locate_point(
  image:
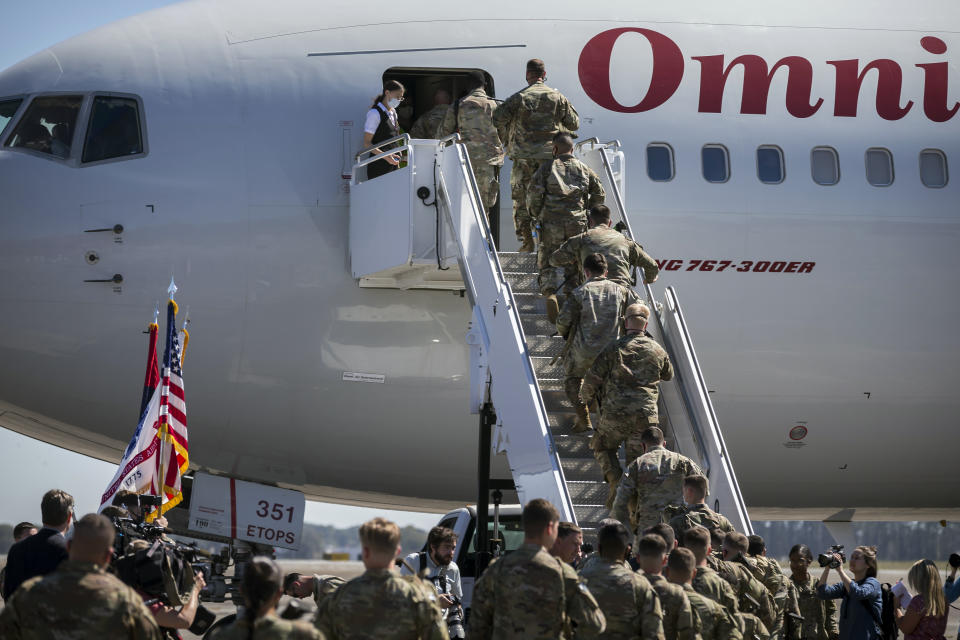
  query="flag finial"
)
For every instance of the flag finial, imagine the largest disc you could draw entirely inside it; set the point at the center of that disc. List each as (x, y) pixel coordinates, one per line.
(156, 312)
(172, 289)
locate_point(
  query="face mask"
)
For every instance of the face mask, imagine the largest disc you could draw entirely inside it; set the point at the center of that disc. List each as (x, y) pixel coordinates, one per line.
(393, 103)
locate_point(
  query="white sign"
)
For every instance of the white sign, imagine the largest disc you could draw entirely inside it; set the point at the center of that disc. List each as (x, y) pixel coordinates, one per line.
(246, 511)
(352, 376)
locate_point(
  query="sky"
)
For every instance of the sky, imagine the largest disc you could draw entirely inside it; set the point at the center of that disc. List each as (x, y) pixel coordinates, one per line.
(28, 468)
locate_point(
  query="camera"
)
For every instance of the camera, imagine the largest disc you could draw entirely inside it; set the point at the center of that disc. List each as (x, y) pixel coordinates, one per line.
(827, 559)
(954, 560)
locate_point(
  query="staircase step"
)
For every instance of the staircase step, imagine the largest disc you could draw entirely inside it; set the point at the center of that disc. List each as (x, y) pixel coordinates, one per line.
(547, 371)
(530, 303)
(537, 325)
(519, 262)
(581, 469)
(587, 492)
(556, 400)
(573, 445)
(592, 513)
(544, 346)
(522, 282)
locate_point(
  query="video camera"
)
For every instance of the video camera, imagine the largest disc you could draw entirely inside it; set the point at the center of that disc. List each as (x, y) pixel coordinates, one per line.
(827, 559)
(954, 560)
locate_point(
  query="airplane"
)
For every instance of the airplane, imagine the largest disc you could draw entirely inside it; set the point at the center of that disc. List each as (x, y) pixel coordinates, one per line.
(787, 166)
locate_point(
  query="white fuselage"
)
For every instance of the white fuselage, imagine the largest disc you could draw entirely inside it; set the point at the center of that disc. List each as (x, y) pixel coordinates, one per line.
(242, 198)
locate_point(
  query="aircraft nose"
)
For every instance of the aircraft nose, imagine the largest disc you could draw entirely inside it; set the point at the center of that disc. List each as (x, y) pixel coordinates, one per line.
(39, 72)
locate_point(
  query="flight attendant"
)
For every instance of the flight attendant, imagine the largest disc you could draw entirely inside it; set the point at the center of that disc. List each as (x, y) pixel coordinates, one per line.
(381, 124)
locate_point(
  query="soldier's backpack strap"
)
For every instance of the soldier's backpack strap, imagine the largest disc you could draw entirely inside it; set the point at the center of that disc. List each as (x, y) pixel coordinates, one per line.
(422, 556)
(456, 114)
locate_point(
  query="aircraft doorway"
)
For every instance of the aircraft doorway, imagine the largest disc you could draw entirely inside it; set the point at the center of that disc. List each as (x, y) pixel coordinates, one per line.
(423, 85)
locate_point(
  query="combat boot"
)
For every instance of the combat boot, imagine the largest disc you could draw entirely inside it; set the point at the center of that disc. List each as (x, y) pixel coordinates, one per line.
(553, 308)
(582, 423)
(526, 236)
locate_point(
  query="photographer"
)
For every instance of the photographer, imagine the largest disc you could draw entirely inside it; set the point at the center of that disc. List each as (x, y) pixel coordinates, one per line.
(862, 605)
(168, 617)
(437, 565)
(951, 588)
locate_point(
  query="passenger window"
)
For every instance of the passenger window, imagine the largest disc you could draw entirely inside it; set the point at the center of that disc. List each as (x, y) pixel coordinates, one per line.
(7, 110)
(47, 126)
(825, 165)
(933, 168)
(660, 162)
(879, 167)
(716, 163)
(114, 129)
(770, 164)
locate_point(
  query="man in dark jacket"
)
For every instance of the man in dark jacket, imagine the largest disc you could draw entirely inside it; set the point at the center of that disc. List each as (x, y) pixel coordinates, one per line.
(43, 552)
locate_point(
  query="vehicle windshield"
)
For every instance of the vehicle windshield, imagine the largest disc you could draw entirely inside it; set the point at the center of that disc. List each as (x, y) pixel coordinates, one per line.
(7, 109)
(47, 125)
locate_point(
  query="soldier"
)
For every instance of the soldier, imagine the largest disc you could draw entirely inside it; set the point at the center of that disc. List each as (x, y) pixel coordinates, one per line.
(738, 570)
(381, 603)
(426, 125)
(620, 252)
(707, 582)
(531, 595)
(785, 597)
(79, 599)
(261, 588)
(532, 116)
(696, 512)
(318, 587)
(590, 319)
(629, 371)
(560, 192)
(819, 616)
(666, 532)
(630, 605)
(652, 481)
(678, 623)
(472, 117)
(715, 622)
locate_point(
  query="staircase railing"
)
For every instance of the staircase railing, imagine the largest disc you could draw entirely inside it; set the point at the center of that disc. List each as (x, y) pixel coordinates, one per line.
(693, 406)
(522, 416)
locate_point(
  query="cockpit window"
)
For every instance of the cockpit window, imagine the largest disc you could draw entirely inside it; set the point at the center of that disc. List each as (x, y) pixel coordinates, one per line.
(7, 109)
(47, 126)
(114, 129)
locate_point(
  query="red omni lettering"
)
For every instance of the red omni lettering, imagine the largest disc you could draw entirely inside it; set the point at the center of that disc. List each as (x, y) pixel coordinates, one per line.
(668, 68)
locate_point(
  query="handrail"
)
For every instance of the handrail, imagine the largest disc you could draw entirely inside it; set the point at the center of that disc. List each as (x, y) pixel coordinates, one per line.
(397, 138)
(506, 292)
(621, 207)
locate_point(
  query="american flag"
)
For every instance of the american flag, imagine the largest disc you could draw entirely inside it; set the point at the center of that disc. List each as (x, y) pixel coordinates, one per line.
(174, 459)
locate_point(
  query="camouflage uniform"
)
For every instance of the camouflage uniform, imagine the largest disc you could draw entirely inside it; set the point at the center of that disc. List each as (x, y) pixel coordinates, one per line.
(426, 125)
(783, 596)
(559, 195)
(629, 603)
(382, 604)
(620, 251)
(709, 584)
(752, 596)
(698, 515)
(530, 595)
(653, 481)
(753, 627)
(78, 601)
(678, 622)
(715, 622)
(324, 586)
(532, 116)
(819, 616)
(629, 371)
(473, 118)
(593, 313)
(267, 628)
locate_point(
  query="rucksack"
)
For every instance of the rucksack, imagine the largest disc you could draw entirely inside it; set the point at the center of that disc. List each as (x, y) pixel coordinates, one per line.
(887, 624)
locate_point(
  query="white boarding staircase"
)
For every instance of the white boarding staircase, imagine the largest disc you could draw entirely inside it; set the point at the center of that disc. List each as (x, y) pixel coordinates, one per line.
(444, 242)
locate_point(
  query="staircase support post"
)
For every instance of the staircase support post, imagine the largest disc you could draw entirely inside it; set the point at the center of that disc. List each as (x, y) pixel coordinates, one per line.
(487, 419)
